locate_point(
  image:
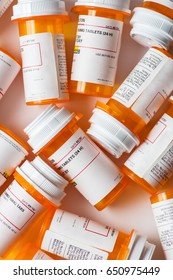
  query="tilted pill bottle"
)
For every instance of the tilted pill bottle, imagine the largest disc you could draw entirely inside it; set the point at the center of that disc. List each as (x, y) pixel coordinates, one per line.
(41, 24)
(56, 135)
(4, 4)
(9, 68)
(70, 236)
(116, 125)
(97, 46)
(162, 206)
(13, 152)
(164, 7)
(151, 164)
(27, 197)
(30, 252)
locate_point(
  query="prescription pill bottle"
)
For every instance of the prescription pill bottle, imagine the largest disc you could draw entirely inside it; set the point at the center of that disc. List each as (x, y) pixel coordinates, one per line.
(13, 152)
(116, 125)
(30, 252)
(9, 68)
(162, 206)
(164, 7)
(97, 46)
(151, 28)
(56, 135)
(27, 197)
(4, 4)
(70, 236)
(41, 28)
(151, 164)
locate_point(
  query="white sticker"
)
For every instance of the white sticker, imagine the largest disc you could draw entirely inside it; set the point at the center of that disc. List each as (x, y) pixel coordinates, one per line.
(40, 255)
(148, 85)
(44, 66)
(167, 3)
(9, 69)
(96, 50)
(4, 4)
(87, 167)
(12, 154)
(68, 248)
(163, 214)
(84, 230)
(153, 159)
(17, 210)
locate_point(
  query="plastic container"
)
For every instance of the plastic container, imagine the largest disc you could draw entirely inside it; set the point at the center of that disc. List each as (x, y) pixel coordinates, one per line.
(70, 236)
(117, 125)
(4, 4)
(13, 152)
(97, 46)
(9, 68)
(29, 195)
(151, 164)
(56, 135)
(30, 252)
(42, 45)
(162, 205)
(152, 24)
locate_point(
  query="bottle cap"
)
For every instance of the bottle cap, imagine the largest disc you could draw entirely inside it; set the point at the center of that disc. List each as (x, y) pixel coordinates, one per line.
(46, 126)
(151, 28)
(112, 135)
(40, 183)
(109, 4)
(30, 8)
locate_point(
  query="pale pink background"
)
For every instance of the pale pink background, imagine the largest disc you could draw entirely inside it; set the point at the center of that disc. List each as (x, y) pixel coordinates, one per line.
(132, 209)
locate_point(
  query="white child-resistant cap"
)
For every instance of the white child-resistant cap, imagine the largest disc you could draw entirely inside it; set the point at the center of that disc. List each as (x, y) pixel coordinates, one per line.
(40, 183)
(109, 133)
(151, 28)
(46, 126)
(121, 5)
(30, 8)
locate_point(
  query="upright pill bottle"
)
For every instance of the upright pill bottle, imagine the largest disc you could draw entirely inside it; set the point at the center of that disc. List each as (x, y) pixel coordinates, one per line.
(162, 206)
(30, 252)
(13, 152)
(151, 164)
(9, 68)
(70, 236)
(27, 197)
(152, 24)
(56, 135)
(41, 31)
(97, 46)
(4, 4)
(116, 126)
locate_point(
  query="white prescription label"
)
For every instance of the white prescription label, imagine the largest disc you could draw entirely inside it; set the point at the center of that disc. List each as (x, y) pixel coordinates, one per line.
(167, 3)
(43, 62)
(68, 248)
(12, 154)
(4, 4)
(84, 230)
(40, 255)
(17, 210)
(163, 214)
(153, 159)
(148, 85)
(96, 50)
(87, 167)
(9, 69)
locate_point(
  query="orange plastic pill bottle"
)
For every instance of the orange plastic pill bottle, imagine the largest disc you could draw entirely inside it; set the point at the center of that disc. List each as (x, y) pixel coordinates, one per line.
(25, 199)
(97, 46)
(70, 236)
(151, 164)
(56, 135)
(30, 252)
(9, 68)
(162, 206)
(164, 7)
(116, 126)
(13, 152)
(41, 31)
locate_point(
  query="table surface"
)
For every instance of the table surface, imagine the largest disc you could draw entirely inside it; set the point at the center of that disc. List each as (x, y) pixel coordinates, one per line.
(132, 209)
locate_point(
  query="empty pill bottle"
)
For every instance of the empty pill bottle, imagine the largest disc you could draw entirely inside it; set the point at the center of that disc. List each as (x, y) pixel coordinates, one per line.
(162, 207)
(56, 135)
(41, 31)
(4, 4)
(13, 152)
(27, 197)
(97, 45)
(70, 236)
(9, 68)
(30, 252)
(151, 164)
(152, 28)
(117, 125)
